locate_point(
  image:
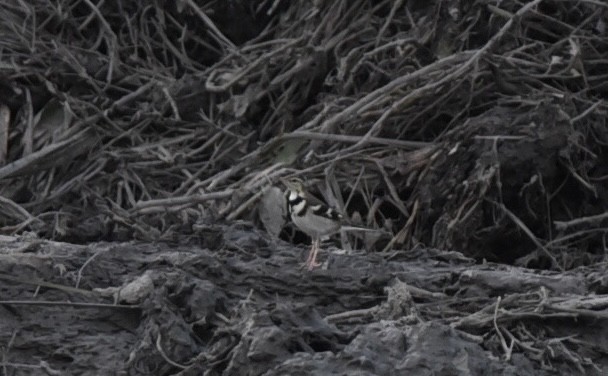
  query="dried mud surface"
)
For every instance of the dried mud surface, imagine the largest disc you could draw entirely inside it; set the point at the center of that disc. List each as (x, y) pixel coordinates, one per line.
(245, 307)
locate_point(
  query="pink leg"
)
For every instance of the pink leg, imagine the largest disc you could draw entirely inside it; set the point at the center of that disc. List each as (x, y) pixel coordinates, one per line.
(313, 258)
(310, 255)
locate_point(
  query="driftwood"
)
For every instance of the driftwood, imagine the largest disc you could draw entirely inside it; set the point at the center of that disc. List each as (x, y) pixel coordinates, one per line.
(246, 307)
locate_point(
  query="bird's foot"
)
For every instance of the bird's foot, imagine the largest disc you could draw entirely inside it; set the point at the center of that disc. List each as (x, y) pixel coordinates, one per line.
(310, 265)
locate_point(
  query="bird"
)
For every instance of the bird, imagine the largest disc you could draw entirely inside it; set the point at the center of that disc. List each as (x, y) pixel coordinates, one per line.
(310, 215)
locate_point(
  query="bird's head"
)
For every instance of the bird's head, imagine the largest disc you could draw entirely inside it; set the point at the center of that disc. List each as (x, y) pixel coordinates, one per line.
(294, 184)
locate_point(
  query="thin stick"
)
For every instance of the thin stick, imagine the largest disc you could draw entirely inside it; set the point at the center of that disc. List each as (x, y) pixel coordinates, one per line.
(530, 235)
(68, 304)
(183, 200)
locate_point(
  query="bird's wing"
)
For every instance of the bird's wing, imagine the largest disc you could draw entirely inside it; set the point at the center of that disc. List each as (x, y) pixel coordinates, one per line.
(322, 209)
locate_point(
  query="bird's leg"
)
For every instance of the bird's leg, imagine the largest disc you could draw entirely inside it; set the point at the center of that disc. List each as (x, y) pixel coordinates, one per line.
(312, 263)
(310, 254)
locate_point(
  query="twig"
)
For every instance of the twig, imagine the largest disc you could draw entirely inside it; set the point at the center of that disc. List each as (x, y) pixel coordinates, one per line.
(215, 31)
(354, 139)
(38, 282)
(532, 237)
(590, 220)
(41, 366)
(507, 349)
(401, 236)
(164, 355)
(87, 262)
(68, 304)
(5, 117)
(183, 200)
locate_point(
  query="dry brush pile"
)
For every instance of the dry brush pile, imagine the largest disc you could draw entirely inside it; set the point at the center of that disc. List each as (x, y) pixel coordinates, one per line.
(477, 127)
